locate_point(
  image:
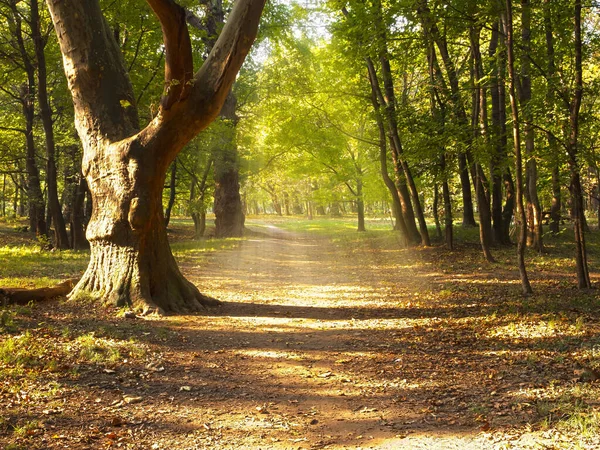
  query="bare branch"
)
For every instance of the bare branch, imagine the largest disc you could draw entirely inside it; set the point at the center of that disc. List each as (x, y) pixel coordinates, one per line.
(179, 66)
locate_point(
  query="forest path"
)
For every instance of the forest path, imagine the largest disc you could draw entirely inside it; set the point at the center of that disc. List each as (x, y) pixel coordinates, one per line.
(341, 342)
(322, 345)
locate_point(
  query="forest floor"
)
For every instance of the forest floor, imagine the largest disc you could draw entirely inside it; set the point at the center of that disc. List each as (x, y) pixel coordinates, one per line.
(324, 340)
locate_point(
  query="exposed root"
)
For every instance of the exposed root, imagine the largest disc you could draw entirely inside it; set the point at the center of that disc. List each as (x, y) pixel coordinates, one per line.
(16, 296)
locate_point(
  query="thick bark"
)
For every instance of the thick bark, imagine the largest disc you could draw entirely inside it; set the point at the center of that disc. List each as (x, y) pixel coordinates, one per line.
(61, 239)
(534, 212)
(131, 261)
(508, 24)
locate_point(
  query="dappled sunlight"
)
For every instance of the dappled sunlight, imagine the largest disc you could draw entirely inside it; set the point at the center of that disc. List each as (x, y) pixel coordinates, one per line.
(551, 327)
(317, 346)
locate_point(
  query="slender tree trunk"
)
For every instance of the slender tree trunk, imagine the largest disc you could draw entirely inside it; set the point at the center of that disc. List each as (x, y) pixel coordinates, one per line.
(438, 114)
(399, 223)
(534, 212)
(431, 30)
(4, 195)
(360, 205)
(61, 239)
(436, 216)
(78, 239)
(37, 218)
(172, 192)
(508, 23)
(16, 200)
(390, 109)
(501, 224)
(555, 207)
(509, 206)
(21, 194)
(403, 193)
(480, 118)
(583, 275)
(448, 226)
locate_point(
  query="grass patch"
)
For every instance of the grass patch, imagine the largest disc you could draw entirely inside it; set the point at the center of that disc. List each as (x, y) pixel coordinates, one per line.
(94, 349)
(27, 266)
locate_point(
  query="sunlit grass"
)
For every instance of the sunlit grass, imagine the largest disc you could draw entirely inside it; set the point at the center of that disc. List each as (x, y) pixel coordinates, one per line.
(28, 266)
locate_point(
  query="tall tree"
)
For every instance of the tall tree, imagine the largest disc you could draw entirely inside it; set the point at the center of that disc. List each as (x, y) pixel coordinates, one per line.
(61, 240)
(534, 211)
(19, 55)
(577, 211)
(131, 262)
(229, 215)
(508, 32)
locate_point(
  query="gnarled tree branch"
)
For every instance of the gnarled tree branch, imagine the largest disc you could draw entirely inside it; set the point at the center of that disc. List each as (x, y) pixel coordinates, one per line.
(179, 67)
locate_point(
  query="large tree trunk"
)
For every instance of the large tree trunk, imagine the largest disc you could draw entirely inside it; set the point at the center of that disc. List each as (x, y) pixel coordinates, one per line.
(131, 263)
(229, 214)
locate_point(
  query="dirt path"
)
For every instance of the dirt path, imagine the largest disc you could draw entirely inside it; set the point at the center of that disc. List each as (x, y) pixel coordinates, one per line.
(317, 345)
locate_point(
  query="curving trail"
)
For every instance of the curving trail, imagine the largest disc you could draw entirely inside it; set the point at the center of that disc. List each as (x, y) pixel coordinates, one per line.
(320, 345)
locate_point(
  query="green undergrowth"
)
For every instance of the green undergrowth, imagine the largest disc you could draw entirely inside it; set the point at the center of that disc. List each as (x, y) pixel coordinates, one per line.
(28, 266)
(318, 226)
